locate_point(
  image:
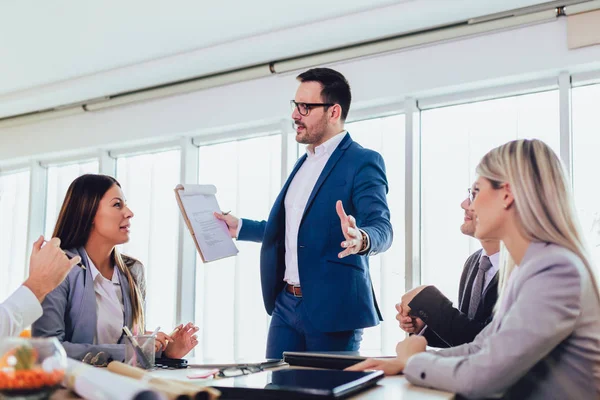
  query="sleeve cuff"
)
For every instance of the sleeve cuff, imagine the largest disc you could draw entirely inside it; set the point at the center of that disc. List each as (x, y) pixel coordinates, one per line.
(239, 228)
(415, 369)
(368, 246)
(25, 306)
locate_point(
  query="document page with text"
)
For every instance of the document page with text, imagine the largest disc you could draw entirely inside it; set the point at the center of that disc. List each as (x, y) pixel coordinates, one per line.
(197, 204)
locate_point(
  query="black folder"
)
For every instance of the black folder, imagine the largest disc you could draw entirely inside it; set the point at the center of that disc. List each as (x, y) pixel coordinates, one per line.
(293, 383)
(328, 359)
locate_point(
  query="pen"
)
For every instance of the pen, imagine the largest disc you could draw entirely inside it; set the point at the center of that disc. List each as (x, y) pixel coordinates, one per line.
(146, 364)
(79, 264)
(155, 331)
(226, 212)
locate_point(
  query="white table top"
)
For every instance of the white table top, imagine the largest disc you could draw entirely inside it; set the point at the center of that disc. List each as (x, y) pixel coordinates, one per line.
(390, 387)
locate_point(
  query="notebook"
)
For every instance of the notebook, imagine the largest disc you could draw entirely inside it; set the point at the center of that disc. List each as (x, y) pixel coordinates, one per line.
(197, 204)
(296, 384)
(331, 360)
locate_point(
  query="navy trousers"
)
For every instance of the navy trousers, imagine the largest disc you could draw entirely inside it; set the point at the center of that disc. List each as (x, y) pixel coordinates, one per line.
(290, 330)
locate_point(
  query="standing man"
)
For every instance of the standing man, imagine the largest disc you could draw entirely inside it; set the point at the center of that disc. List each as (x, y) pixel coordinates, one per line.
(426, 311)
(315, 258)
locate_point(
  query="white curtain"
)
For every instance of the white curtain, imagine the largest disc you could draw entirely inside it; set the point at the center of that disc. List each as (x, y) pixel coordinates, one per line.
(586, 164)
(453, 141)
(14, 217)
(59, 180)
(147, 182)
(229, 306)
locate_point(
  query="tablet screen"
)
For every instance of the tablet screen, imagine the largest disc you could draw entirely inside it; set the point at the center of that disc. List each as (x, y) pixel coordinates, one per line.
(316, 382)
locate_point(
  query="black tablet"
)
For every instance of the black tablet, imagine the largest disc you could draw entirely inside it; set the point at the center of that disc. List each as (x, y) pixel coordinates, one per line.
(296, 384)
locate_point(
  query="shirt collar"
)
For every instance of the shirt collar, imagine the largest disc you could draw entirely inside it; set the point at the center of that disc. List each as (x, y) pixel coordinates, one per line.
(95, 272)
(327, 147)
(494, 259)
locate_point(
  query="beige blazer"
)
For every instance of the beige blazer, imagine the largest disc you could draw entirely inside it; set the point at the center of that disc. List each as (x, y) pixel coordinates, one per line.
(544, 343)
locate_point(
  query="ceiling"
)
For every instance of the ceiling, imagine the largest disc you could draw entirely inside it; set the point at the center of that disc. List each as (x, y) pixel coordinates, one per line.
(61, 52)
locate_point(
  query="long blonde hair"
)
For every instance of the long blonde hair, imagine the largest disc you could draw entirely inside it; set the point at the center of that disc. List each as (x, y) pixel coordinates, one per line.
(543, 199)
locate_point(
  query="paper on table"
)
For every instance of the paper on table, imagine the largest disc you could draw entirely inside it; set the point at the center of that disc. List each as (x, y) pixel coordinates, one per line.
(197, 204)
(100, 384)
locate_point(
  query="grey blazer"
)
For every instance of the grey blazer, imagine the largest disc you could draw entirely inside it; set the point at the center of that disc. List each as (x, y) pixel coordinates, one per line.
(544, 342)
(70, 310)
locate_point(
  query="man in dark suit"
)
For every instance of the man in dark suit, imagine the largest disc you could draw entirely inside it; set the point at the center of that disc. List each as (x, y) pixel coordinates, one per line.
(314, 257)
(426, 311)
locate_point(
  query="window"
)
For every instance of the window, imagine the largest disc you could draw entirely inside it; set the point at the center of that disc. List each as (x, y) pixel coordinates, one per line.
(229, 305)
(453, 140)
(148, 181)
(14, 214)
(586, 163)
(59, 180)
(386, 136)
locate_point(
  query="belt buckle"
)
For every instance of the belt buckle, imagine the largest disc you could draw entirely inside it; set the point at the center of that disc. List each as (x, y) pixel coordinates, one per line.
(294, 287)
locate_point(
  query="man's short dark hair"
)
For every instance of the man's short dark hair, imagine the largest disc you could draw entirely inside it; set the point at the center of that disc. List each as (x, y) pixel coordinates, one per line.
(335, 90)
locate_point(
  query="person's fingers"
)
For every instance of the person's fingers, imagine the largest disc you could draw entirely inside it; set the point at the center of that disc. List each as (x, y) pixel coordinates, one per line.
(352, 232)
(161, 341)
(339, 207)
(352, 221)
(37, 245)
(350, 243)
(219, 216)
(74, 261)
(345, 253)
(369, 363)
(398, 307)
(54, 242)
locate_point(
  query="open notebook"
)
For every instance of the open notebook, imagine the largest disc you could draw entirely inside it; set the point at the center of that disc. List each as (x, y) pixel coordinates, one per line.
(197, 204)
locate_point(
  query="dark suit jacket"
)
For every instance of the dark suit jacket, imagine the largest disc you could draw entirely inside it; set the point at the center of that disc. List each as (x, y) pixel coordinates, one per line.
(337, 293)
(448, 326)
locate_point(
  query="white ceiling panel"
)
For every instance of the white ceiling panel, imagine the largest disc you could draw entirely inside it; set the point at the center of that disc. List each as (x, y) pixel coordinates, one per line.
(60, 52)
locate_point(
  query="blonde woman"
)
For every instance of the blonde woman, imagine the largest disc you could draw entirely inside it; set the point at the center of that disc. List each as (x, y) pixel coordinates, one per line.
(544, 341)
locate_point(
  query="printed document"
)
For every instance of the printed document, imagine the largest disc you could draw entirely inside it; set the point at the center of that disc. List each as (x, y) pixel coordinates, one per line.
(211, 236)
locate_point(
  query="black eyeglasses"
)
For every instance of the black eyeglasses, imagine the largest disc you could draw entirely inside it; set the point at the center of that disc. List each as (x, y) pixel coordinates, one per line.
(304, 108)
(238, 370)
(472, 194)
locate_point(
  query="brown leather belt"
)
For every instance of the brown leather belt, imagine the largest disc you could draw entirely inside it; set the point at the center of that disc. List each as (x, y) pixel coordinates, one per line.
(295, 290)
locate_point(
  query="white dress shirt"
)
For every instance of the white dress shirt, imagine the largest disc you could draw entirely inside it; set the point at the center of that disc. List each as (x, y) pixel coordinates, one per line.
(19, 311)
(296, 198)
(109, 306)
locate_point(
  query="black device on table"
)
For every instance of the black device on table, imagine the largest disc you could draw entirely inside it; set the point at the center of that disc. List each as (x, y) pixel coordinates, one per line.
(165, 362)
(328, 359)
(293, 383)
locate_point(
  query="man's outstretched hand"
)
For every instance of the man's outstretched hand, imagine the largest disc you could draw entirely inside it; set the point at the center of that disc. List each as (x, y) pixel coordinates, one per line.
(354, 238)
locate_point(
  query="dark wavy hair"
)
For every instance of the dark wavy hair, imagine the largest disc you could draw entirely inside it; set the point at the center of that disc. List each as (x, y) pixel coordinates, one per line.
(75, 222)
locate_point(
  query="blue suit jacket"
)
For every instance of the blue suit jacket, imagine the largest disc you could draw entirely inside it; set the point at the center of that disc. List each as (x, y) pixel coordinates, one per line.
(337, 292)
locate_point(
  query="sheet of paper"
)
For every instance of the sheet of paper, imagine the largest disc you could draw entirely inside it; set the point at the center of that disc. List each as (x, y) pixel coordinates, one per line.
(211, 234)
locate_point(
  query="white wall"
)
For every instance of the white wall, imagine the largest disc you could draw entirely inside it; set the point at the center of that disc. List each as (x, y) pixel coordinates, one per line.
(517, 55)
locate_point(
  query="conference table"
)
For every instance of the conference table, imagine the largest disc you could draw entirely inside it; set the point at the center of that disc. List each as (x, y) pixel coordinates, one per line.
(389, 388)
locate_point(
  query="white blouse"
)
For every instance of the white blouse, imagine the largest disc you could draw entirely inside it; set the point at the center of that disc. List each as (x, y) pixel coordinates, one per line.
(110, 311)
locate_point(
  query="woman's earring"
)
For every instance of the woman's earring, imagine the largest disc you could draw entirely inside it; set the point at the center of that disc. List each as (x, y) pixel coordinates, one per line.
(505, 206)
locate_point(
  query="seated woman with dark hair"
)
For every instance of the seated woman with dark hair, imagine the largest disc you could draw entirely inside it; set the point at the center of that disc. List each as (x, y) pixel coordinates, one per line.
(89, 309)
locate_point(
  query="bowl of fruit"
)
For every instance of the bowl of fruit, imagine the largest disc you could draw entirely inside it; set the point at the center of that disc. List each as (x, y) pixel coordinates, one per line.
(31, 368)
